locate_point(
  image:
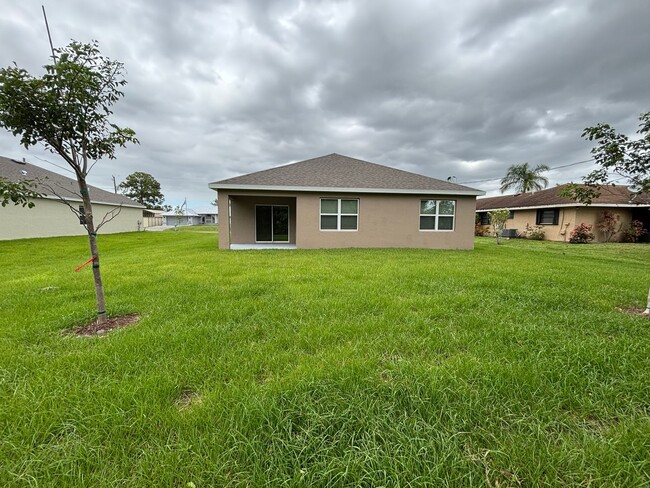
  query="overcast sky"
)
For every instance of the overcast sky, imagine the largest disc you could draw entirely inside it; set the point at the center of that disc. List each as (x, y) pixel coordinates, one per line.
(460, 88)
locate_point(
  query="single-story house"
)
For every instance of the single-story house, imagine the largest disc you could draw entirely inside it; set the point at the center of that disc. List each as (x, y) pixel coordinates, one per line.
(50, 216)
(557, 216)
(336, 201)
(187, 217)
(208, 215)
(190, 217)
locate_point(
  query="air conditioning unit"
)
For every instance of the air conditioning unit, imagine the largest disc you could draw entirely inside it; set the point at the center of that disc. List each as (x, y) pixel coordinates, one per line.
(509, 233)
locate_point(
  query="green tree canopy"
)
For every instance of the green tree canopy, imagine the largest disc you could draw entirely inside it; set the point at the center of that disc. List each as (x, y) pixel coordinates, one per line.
(619, 159)
(143, 188)
(524, 179)
(68, 110)
(18, 193)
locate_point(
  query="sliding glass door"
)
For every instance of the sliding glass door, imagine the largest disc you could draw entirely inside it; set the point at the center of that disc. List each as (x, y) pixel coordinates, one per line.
(272, 223)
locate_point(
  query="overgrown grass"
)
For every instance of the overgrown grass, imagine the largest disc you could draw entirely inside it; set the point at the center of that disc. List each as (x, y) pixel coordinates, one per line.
(503, 366)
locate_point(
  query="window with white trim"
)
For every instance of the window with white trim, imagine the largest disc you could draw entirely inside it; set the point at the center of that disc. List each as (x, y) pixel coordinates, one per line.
(339, 214)
(437, 214)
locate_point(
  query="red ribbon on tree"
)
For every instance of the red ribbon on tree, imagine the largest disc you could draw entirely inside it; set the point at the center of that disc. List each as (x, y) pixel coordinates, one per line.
(84, 264)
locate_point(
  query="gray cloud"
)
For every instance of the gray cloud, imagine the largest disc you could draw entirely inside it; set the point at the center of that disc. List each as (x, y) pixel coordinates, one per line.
(461, 89)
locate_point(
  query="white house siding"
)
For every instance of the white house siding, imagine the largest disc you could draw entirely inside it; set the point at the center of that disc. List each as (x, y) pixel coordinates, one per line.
(50, 218)
(173, 220)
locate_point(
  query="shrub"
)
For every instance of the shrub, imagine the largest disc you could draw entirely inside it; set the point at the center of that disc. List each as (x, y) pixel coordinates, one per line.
(634, 232)
(535, 233)
(581, 234)
(608, 225)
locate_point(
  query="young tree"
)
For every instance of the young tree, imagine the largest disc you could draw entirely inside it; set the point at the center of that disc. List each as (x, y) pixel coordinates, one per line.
(18, 193)
(143, 188)
(616, 153)
(618, 158)
(68, 110)
(180, 211)
(523, 178)
(498, 219)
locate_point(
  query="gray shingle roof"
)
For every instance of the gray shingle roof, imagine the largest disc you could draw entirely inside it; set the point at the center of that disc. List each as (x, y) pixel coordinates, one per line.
(48, 183)
(609, 195)
(336, 172)
(187, 212)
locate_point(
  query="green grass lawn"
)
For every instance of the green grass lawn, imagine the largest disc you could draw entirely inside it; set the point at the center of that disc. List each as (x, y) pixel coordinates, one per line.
(504, 366)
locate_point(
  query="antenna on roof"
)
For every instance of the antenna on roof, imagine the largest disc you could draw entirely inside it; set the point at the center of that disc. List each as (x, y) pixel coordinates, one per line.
(49, 36)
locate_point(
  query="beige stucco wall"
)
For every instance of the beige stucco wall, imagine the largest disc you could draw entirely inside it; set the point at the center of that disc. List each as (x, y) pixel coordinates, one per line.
(223, 204)
(568, 219)
(593, 215)
(50, 218)
(385, 220)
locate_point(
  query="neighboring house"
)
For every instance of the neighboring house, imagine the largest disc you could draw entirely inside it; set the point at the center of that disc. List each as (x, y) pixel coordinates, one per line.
(188, 217)
(208, 215)
(558, 216)
(50, 217)
(335, 201)
(191, 217)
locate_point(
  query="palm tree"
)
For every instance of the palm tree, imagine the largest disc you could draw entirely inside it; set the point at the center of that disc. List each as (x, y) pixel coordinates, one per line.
(524, 179)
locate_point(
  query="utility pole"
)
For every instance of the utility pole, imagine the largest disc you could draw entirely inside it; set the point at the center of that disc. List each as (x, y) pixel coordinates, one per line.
(114, 184)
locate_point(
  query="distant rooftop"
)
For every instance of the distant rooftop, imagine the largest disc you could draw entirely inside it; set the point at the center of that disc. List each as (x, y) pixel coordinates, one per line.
(335, 172)
(187, 212)
(52, 184)
(609, 196)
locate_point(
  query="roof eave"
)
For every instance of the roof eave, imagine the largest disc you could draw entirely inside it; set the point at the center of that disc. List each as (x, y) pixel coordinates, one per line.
(219, 186)
(565, 205)
(79, 200)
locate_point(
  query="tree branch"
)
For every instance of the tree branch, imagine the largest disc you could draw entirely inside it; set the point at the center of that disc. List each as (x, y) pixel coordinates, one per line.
(66, 202)
(106, 219)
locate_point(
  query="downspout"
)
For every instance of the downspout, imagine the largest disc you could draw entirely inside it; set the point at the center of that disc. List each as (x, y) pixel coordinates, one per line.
(563, 230)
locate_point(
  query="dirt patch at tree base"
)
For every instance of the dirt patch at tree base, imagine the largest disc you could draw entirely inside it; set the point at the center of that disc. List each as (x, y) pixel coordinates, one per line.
(637, 312)
(112, 323)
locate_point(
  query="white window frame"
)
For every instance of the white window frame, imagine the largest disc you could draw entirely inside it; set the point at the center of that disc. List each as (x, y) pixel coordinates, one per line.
(436, 215)
(338, 215)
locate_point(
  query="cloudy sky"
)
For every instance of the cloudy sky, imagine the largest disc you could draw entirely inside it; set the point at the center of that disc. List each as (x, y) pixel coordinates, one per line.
(464, 88)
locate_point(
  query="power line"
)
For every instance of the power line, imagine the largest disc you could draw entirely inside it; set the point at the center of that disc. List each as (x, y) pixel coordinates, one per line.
(550, 169)
(53, 164)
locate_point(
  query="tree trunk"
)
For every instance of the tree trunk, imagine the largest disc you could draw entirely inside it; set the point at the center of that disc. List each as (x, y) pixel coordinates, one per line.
(92, 240)
(647, 308)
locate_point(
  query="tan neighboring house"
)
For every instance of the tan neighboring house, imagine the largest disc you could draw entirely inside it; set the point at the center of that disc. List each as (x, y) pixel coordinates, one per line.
(336, 201)
(50, 217)
(558, 216)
